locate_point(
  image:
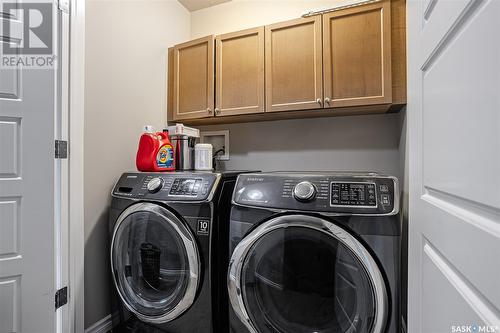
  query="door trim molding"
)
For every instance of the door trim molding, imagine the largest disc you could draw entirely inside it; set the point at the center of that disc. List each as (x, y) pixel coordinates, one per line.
(76, 172)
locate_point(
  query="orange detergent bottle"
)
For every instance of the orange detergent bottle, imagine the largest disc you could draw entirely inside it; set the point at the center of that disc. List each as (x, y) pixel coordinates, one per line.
(155, 152)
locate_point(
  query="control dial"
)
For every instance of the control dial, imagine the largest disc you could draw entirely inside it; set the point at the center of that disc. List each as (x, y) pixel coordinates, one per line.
(155, 184)
(304, 191)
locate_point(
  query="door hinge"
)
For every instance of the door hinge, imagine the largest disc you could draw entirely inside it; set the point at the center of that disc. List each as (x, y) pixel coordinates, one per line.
(61, 297)
(61, 149)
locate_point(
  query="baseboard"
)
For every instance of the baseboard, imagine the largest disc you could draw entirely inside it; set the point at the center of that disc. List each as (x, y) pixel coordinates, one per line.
(102, 326)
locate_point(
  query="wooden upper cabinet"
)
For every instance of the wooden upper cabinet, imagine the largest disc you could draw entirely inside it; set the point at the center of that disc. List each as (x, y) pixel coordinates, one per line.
(239, 85)
(357, 56)
(193, 90)
(293, 65)
(348, 61)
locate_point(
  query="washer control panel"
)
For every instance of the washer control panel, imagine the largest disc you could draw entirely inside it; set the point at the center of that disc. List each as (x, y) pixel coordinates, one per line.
(353, 194)
(187, 186)
(178, 186)
(365, 193)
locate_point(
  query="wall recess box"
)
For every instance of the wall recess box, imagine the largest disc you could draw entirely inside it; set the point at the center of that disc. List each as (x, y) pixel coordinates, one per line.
(218, 139)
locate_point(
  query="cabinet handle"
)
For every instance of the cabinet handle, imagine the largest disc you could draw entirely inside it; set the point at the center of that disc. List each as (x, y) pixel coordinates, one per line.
(318, 100)
(327, 100)
(209, 110)
(217, 111)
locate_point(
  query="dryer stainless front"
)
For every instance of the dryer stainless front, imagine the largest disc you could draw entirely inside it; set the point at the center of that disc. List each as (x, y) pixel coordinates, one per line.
(155, 263)
(301, 264)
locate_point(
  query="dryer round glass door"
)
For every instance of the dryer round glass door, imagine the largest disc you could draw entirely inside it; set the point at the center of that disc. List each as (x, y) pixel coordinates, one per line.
(299, 273)
(155, 263)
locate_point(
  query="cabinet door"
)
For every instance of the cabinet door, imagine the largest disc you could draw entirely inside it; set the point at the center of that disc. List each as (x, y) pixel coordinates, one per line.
(294, 65)
(240, 72)
(194, 79)
(357, 56)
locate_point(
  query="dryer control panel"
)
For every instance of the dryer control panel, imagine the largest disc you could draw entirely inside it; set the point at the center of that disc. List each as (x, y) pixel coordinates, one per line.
(336, 193)
(178, 186)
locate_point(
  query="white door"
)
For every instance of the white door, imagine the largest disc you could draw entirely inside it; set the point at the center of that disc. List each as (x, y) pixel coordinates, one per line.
(454, 134)
(27, 232)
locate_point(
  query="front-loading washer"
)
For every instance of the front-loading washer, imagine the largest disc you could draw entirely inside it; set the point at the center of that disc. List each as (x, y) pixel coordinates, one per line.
(315, 252)
(169, 254)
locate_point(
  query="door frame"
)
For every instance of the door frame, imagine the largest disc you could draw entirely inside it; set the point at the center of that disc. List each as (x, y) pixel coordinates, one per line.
(75, 245)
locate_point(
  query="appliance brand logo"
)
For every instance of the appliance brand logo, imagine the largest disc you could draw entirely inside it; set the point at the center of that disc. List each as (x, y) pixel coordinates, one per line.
(255, 179)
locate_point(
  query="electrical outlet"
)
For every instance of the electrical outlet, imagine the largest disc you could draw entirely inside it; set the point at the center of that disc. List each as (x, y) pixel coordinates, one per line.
(218, 140)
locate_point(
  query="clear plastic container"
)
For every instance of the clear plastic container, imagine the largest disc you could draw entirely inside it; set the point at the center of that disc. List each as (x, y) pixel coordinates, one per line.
(203, 156)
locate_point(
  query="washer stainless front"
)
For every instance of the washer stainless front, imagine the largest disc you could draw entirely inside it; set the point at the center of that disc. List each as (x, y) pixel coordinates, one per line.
(168, 234)
(155, 261)
(300, 273)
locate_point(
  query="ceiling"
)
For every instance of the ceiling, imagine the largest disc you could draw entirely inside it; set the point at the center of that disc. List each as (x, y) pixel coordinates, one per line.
(193, 5)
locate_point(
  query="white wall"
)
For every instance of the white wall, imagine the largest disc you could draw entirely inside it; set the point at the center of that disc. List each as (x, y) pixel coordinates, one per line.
(126, 47)
(354, 143)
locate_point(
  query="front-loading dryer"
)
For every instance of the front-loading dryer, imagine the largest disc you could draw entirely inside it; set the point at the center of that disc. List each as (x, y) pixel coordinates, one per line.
(169, 254)
(315, 252)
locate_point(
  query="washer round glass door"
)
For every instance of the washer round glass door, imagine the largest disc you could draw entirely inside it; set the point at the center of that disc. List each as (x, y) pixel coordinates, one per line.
(299, 273)
(155, 263)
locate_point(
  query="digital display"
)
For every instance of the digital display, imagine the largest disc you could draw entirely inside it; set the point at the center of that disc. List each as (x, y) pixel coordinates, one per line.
(185, 186)
(353, 194)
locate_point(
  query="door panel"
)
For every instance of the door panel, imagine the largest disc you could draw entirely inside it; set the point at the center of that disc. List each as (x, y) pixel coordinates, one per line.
(294, 65)
(10, 307)
(455, 157)
(472, 132)
(9, 146)
(10, 83)
(193, 94)
(10, 77)
(440, 278)
(357, 56)
(240, 72)
(27, 258)
(9, 236)
(447, 13)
